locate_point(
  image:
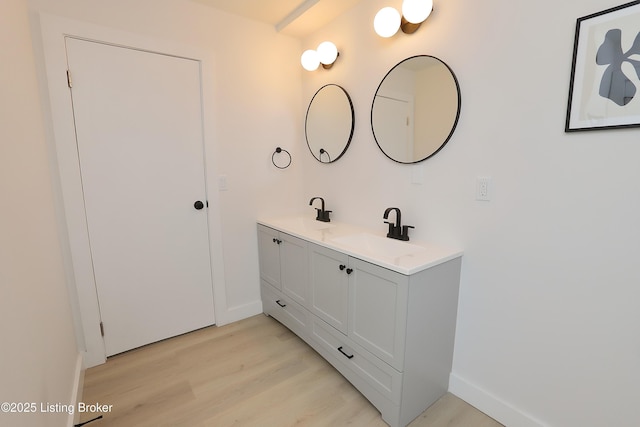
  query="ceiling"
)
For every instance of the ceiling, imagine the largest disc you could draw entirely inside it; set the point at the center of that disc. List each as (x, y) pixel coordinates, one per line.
(297, 18)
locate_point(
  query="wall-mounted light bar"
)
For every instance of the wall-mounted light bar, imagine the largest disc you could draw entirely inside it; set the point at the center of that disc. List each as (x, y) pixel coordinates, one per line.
(414, 12)
(326, 54)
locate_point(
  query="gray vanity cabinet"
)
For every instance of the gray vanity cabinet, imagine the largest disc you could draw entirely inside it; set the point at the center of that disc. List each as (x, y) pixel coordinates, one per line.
(390, 334)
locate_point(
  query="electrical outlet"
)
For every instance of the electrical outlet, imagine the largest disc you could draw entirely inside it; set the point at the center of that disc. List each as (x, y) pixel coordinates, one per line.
(483, 188)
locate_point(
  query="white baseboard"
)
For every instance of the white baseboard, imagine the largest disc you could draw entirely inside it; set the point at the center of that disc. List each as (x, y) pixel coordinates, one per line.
(490, 404)
(76, 391)
(233, 314)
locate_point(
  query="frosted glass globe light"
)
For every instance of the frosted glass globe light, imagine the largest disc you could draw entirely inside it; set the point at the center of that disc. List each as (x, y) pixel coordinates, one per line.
(416, 11)
(310, 60)
(327, 53)
(386, 22)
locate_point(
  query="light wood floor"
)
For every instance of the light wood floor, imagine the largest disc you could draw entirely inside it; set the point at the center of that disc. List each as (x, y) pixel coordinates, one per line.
(250, 373)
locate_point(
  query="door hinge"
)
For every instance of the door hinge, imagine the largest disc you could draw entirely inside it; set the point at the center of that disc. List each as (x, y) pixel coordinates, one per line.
(101, 329)
(69, 83)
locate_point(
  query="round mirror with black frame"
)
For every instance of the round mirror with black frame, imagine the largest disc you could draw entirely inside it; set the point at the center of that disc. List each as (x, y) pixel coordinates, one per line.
(329, 123)
(415, 109)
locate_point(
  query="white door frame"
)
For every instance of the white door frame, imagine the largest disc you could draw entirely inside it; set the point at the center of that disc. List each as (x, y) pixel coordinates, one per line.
(80, 273)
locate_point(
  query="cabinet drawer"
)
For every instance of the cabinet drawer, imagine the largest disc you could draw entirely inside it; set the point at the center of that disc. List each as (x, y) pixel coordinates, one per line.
(376, 373)
(284, 310)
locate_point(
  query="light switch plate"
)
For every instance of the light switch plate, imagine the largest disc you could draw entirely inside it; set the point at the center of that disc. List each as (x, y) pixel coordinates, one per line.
(222, 183)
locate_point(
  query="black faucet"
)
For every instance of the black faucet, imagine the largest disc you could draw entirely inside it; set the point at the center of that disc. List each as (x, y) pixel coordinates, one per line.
(322, 214)
(397, 230)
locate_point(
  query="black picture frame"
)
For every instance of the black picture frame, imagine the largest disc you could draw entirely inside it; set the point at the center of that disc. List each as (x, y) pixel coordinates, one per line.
(604, 89)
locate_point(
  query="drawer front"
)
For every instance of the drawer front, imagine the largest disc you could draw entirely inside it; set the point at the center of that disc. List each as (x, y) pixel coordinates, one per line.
(379, 375)
(285, 311)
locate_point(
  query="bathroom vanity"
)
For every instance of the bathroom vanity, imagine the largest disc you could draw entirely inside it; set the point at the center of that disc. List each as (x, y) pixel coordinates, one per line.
(381, 311)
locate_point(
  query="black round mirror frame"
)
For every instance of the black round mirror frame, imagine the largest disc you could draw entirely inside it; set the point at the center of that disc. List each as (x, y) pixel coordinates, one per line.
(348, 142)
(455, 121)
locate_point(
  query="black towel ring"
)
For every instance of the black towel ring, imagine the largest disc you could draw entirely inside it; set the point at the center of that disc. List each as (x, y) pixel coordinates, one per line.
(280, 150)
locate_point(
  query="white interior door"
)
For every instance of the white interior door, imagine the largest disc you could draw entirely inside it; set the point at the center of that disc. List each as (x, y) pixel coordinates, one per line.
(393, 127)
(138, 118)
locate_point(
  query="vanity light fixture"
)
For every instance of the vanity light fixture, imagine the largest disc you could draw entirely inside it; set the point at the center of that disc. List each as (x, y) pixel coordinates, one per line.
(387, 22)
(414, 12)
(326, 54)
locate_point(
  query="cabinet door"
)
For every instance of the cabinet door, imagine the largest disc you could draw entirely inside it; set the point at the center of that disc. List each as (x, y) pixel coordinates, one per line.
(269, 255)
(294, 274)
(329, 286)
(378, 310)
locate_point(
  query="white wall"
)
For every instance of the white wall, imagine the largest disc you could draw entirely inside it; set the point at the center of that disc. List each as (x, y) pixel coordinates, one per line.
(548, 323)
(256, 108)
(548, 320)
(38, 356)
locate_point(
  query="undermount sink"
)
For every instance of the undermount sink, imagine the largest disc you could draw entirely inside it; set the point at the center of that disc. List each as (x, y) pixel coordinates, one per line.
(312, 224)
(378, 246)
(304, 223)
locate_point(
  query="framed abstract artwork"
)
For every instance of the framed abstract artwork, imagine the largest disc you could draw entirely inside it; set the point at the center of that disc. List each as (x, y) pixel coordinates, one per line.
(604, 91)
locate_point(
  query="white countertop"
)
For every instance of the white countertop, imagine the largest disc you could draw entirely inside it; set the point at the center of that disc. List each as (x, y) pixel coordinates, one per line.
(423, 255)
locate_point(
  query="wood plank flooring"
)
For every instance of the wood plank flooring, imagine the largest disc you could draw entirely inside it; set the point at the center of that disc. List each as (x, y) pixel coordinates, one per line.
(250, 373)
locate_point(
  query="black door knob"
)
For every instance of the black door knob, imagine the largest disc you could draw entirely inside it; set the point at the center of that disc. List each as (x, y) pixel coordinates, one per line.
(198, 205)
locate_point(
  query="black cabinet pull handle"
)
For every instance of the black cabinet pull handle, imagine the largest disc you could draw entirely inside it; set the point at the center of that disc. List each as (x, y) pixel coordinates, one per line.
(277, 241)
(280, 304)
(348, 356)
(342, 267)
(349, 270)
(198, 205)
